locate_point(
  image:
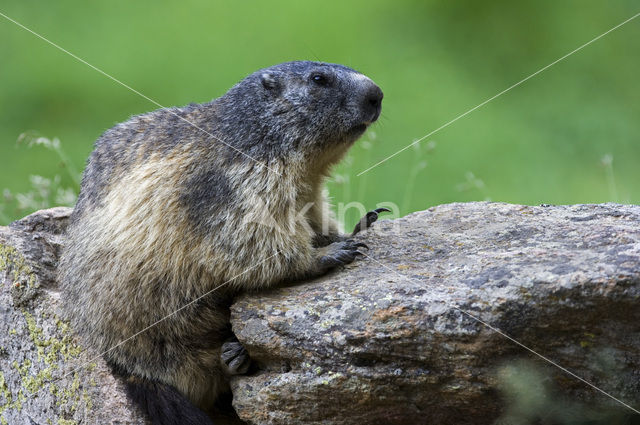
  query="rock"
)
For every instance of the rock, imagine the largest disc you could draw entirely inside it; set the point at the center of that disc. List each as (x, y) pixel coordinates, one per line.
(390, 339)
(45, 375)
(411, 333)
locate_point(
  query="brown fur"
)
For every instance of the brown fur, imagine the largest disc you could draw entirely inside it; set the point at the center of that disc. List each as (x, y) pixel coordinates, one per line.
(135, 255)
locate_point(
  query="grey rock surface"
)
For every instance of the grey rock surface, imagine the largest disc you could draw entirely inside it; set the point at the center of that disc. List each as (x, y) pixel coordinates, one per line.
(46, 377)
(387, 340)
(396, 337)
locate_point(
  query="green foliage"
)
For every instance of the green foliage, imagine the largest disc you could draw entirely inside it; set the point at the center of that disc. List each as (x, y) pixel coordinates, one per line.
(44, 192)
(531, 398)
(541, 142)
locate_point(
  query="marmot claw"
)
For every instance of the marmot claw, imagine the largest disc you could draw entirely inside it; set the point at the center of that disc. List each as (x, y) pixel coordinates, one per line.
(368, 219)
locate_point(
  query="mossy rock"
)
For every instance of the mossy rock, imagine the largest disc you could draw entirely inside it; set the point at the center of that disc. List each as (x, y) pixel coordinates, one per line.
(46, 376)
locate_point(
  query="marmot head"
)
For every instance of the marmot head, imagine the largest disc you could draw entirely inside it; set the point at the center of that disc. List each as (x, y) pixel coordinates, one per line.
(303, 105)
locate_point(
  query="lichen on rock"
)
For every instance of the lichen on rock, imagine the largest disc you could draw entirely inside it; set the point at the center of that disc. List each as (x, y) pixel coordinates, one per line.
(46, 376)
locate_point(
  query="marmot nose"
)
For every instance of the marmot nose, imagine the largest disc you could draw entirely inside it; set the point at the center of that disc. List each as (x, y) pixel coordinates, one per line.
(373, 102)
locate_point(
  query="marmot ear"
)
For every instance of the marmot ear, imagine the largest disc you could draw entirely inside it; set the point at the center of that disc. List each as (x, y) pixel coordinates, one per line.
(270, 81)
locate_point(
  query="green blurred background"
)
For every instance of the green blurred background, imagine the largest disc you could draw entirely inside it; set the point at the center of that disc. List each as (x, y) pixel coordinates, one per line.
(568, 135)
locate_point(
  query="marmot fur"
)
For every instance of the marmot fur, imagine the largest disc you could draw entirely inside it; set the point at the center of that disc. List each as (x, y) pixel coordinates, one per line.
(227, 194)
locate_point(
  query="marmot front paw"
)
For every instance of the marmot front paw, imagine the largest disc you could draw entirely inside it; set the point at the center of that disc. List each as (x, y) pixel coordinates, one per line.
(235, 357)
(339, 253)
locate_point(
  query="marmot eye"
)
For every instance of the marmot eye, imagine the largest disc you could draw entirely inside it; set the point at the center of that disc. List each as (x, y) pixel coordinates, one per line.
(320, 79)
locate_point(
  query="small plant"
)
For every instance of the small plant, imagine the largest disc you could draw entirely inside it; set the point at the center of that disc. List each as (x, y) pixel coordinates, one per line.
(473, 183)
(342, 178)
(419, 164)
(45, 192)
(32, 138)
(607, 162)
(532, 398)
(367, 147)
